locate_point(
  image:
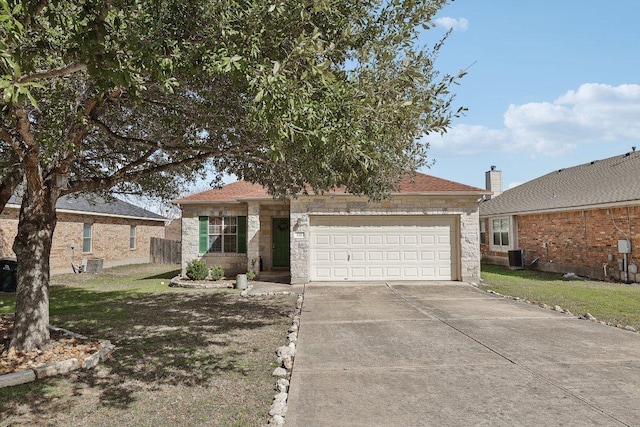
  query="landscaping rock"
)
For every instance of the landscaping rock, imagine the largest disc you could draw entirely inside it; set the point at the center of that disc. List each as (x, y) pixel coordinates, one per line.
(588, 316)
(279, 405)
(56, 368)
(17, 378)
(276, 420)
(282, 385)
(279, 372)
(630, 328)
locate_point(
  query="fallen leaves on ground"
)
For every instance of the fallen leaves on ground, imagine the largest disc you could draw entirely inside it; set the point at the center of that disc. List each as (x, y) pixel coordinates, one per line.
(60, 347)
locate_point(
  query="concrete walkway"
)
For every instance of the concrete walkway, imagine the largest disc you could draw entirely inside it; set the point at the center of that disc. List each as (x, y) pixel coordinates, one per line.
(447, 354)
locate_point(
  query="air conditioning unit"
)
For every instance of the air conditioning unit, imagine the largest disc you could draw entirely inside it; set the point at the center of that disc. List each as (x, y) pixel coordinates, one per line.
(516, 259)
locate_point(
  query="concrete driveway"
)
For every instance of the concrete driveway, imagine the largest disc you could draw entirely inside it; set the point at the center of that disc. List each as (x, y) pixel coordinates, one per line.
(448, 354)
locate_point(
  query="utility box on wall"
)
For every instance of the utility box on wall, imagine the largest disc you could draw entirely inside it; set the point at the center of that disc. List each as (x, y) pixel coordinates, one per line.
(624, 246)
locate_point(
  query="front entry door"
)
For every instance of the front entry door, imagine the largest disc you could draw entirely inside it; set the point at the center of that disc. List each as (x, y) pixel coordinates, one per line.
(280, 242)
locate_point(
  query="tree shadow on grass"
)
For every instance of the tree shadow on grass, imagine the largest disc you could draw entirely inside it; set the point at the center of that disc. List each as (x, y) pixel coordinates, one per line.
(168, 275)
(162, 339)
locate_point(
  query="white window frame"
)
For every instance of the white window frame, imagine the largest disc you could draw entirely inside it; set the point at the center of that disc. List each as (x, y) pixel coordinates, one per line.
(225, 236)
(483, 231)
(132, 237)
(87, 226)
(501, 247)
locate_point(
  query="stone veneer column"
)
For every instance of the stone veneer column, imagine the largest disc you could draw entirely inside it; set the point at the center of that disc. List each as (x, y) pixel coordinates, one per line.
(253, 233)
(470, 245)
(189, 238)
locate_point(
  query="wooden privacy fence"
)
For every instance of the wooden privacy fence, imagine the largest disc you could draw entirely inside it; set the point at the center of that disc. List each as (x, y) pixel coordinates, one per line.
(164, 251)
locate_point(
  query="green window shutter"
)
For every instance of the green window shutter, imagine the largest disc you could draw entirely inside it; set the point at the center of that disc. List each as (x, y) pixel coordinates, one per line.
(242, 234)
(203, 234)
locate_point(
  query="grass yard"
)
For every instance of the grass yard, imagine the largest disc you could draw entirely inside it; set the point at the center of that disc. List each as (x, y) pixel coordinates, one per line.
(615, 303)
(183, 356)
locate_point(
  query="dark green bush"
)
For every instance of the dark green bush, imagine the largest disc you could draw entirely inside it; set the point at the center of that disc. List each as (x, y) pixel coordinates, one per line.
(197, 270)
(217, 272)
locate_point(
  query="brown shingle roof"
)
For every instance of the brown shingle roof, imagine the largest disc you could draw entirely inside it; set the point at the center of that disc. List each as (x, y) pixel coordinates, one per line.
(227, 193)
(609, 181)
(420, 183)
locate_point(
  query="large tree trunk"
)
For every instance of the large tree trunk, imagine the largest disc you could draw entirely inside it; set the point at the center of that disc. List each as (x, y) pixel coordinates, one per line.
(33, 247)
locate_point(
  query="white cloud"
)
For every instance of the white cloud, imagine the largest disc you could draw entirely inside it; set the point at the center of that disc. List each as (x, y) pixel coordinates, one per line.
(457, 24)
(594, 113)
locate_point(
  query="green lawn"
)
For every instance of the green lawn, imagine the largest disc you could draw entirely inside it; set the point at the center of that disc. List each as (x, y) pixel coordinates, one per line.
(615, 303)
(183, 356)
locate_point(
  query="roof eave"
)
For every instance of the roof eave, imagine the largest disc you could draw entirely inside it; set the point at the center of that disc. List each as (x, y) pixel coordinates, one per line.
(71, 211)
(566, 209)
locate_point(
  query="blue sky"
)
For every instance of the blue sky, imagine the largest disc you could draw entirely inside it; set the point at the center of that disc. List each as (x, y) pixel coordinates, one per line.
(554, 83)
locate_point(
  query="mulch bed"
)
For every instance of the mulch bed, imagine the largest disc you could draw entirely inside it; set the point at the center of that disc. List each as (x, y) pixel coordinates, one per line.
(60, 347)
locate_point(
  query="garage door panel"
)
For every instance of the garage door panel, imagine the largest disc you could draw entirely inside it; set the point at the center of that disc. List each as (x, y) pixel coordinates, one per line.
(392, 256)
(374, 239)
(358, 256)
(340, 240)
(392, 240)
(322, 256)
(410, 255)
(382, 248)
(339, 256)
(358, 240)
(322, 240)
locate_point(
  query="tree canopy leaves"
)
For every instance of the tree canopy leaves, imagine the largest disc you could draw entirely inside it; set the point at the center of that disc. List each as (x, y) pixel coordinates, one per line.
(141, 95)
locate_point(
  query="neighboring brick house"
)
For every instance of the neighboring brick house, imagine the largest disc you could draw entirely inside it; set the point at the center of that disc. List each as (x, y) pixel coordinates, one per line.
(115, 231)
(570, 220)
(426, 231)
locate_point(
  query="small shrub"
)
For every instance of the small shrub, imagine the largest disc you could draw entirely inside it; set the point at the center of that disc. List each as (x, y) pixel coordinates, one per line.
(251, 275)
(217, 272)
(197, 270)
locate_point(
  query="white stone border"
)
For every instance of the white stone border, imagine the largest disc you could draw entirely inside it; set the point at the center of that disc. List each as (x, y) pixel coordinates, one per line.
(285, 357)
(586, 316)
(61, 367)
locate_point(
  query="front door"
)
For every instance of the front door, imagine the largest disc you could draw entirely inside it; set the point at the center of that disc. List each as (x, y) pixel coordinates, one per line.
(280, 242)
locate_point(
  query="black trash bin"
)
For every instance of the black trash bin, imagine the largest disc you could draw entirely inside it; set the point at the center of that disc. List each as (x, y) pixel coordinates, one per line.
(8, 273)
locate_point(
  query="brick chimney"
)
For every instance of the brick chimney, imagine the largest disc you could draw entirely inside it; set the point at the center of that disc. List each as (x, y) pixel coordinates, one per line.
(493, 181)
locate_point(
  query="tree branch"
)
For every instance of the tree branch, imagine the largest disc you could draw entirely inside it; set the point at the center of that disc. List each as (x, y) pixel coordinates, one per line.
(105, 183)
(6, 137)
(8, 185)
(58, 72)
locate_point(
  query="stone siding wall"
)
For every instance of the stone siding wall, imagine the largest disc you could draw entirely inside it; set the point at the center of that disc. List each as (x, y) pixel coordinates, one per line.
(582, 242)
(259, 222)
(464, 207)
(110, 239)
(232, 263)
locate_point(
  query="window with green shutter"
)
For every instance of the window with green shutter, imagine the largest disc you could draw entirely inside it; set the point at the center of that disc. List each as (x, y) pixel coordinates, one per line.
(218, 234)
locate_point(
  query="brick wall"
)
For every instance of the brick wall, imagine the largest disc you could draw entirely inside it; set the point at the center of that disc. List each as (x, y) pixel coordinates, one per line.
(582, 242)
(110, 239)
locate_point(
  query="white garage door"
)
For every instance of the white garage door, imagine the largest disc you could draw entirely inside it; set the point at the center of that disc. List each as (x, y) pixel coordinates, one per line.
(382, 248)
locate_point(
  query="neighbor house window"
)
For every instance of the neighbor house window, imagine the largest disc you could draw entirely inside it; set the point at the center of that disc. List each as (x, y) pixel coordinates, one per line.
(86, 238)
(222, 234)
(501, 232)
(483, 231)
(132, 237)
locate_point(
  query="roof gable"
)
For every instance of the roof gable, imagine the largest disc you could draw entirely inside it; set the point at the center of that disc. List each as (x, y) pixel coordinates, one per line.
(609, 181)
(419, 184)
